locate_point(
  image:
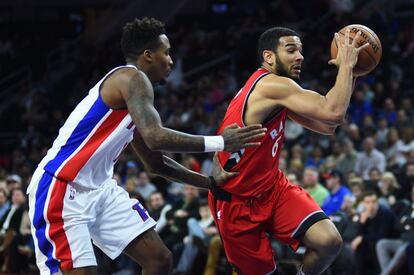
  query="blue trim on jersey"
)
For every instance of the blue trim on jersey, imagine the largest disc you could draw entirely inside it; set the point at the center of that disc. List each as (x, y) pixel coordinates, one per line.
(39, 222)
(79, 134)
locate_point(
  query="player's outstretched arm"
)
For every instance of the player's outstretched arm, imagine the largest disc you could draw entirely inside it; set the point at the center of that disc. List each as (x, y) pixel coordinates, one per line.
(139, 98)
(161, 165)
(331, 108)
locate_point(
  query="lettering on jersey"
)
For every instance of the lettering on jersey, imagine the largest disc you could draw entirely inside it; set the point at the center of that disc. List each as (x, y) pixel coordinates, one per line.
(141, 211)
(277, 136)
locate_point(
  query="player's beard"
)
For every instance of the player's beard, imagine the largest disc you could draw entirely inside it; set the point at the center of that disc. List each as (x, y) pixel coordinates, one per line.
(282, 70)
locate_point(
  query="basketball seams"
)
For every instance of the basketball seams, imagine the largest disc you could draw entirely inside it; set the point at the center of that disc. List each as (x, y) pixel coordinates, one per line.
(372, 33)
(367, 52)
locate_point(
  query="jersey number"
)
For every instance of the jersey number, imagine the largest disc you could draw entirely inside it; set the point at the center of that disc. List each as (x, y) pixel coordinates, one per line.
(276, 146)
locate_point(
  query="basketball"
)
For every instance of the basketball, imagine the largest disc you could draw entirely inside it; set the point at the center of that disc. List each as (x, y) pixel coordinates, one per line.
(369, 57)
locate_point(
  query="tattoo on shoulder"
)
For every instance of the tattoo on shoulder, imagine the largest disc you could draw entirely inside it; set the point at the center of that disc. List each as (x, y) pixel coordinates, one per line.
(140, 86)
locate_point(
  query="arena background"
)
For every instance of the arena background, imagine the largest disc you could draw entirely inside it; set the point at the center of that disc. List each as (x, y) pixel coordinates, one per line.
(53, 52)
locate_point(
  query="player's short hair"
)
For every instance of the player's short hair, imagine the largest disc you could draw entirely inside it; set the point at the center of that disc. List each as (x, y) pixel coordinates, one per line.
(269, 40)
(140, 35)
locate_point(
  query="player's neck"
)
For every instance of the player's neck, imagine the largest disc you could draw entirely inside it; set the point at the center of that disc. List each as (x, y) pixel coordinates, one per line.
(140, 66)
(136, 64)
(268, 67)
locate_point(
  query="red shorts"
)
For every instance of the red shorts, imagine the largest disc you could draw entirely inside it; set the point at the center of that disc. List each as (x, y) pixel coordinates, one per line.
(285, 212)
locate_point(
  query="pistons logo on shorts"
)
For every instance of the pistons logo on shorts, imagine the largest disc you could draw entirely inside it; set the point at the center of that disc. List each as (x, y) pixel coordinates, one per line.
(141, 211)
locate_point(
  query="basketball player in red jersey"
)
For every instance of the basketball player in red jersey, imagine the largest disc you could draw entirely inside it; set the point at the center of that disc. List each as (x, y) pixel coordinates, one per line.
(261, 200)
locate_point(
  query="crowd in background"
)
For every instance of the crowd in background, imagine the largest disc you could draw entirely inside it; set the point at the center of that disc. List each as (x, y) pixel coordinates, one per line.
(362, 176)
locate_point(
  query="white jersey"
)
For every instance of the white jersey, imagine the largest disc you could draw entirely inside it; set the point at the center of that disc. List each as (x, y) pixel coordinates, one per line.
(90, 141)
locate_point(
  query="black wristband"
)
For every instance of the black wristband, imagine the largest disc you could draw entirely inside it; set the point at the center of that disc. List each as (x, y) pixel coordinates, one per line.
(213, 183)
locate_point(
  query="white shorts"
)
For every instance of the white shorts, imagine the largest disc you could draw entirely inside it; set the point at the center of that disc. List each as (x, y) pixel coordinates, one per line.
(66, 216)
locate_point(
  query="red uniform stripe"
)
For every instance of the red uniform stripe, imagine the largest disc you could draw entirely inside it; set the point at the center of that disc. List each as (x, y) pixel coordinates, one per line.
(75, 164)
(56, 231)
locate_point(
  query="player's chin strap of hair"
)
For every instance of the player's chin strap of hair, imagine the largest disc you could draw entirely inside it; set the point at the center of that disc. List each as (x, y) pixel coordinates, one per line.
(218, 193)
(213, 143)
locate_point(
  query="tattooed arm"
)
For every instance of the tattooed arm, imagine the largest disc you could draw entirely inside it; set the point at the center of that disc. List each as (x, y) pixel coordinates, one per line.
(139, 98)
(161, 165)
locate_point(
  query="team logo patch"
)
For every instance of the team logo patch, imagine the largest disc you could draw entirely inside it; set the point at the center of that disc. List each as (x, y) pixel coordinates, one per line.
(141, 211)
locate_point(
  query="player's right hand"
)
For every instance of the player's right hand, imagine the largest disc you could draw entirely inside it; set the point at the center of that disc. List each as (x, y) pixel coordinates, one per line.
(236, 138)
(348, 51)
(219, 174)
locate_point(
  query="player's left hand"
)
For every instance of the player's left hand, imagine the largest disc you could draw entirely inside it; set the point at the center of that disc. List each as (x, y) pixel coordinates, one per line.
(219, 174)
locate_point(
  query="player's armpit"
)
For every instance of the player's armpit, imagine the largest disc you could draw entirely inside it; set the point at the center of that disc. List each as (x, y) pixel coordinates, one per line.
(316, 126)
(139, 98)
(285, 92)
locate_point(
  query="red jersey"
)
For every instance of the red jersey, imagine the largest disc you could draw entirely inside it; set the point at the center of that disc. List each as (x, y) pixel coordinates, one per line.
(258, 166)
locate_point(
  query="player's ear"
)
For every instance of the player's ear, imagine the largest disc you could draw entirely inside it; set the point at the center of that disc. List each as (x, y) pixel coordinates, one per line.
(147, 56)
(268, 57)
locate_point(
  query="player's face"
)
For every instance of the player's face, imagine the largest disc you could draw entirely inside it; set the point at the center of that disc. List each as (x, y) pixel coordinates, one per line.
(289, 57)
(162, 61)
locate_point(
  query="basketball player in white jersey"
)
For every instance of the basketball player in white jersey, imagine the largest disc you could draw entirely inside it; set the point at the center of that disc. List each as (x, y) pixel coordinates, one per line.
(72, 196)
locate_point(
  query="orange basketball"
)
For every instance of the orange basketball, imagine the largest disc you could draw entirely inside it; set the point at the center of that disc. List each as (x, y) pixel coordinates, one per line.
(369, 57)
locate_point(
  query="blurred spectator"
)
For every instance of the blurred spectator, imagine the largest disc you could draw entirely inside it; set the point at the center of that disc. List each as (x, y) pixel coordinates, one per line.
(144, 186)
(391, 252)
(185, 208)
(331, 161)
(347, 160)
(4, 203)
(312, 186)
(215, 250)
(392, 148)
(369, 158)
(9, 229)
(409, 254)
(293, 131)
(13, 181)
(293, 178)
(375, 222)
(158, 209)
(389, 111)
(382, 132)
(359, 107)
(316, 159)
(389, 188)
(356, 185)
(338, 192)
(406, 179)
(199, 235)
(12, 218)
